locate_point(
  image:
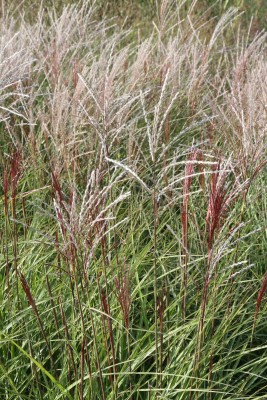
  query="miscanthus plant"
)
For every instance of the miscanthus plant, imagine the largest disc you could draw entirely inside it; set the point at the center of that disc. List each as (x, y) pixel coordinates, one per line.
(133, 207)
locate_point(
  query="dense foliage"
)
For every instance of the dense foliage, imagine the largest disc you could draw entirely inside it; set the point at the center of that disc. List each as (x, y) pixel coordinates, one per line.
(134, 207)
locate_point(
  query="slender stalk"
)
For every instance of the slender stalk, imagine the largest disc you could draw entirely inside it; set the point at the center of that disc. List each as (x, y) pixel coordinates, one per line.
(103, 396)
(155, 216)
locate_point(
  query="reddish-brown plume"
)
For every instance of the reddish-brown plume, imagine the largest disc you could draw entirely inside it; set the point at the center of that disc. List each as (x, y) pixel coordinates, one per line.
(122, 283)
(217, 202)
(261, 294)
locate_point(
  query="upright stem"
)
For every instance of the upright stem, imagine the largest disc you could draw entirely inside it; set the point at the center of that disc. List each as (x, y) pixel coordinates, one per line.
(155, 212)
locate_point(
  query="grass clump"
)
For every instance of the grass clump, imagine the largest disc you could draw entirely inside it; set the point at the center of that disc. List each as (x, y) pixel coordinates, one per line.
(133, 196)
